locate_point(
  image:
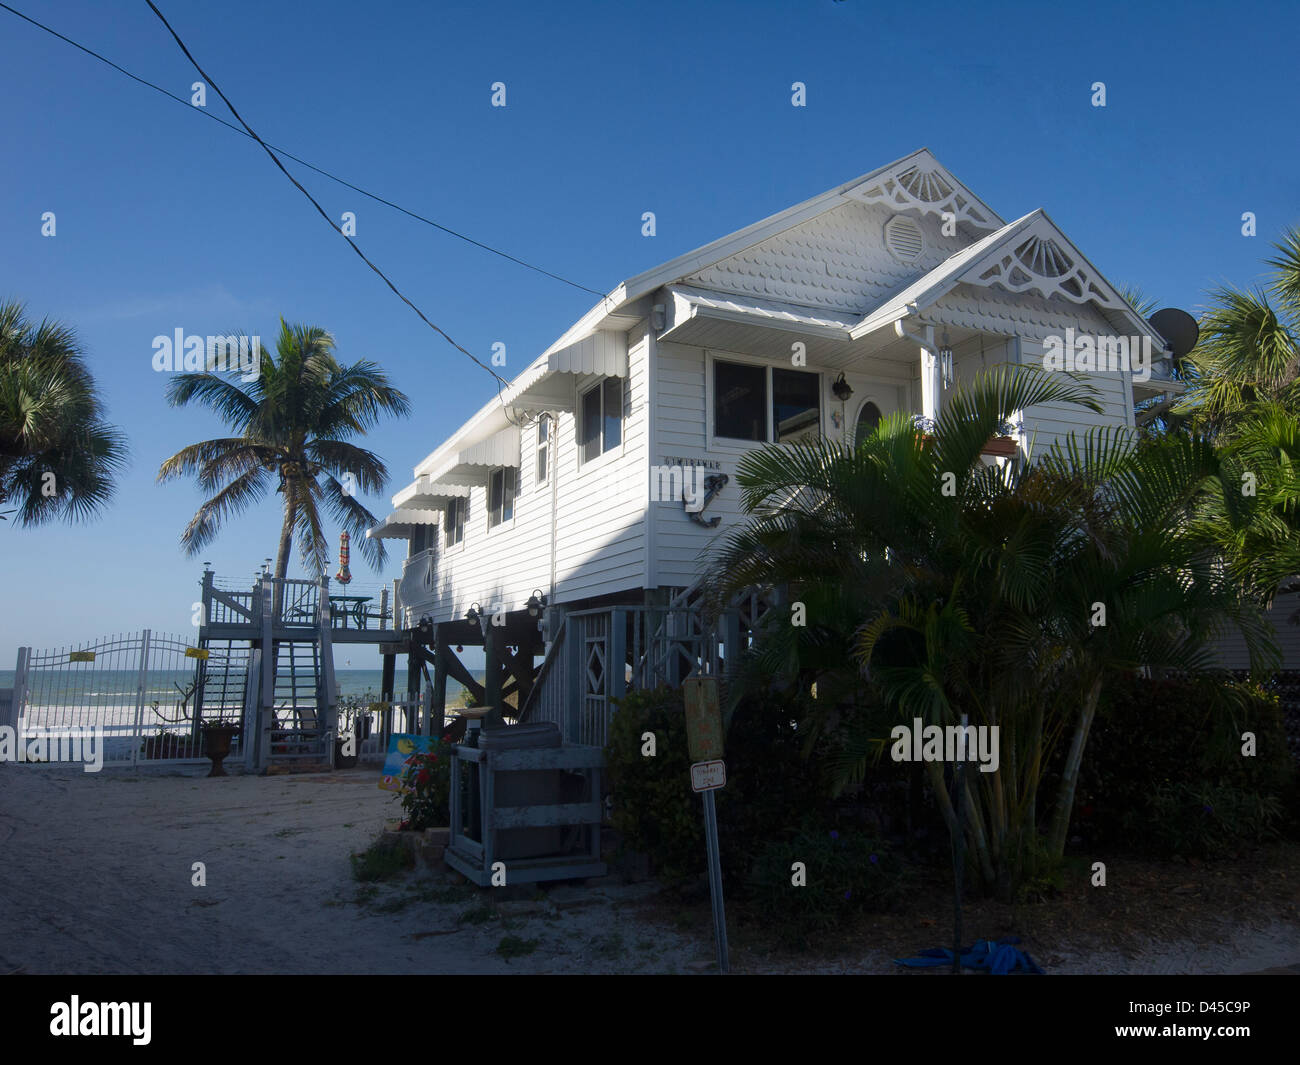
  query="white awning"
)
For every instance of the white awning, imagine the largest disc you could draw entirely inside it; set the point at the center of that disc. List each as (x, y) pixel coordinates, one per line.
(471, 465)
(400, 524)
(424, 493)
(540, 387)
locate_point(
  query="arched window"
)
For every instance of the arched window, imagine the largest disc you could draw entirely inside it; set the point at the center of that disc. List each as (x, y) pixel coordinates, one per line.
(868, 419)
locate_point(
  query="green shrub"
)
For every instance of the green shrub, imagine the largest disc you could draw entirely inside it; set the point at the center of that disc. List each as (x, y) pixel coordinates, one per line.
(846, 873)
(655, 812)
(1164, 772)
(772, 789)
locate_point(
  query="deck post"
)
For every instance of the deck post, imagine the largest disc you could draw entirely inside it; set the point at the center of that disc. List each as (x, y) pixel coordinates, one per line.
(266, 703)
(616, 651)
(731, 644)
(492, 674)
(409, 713)
(575, 677)
(327, 700)
(438, 704)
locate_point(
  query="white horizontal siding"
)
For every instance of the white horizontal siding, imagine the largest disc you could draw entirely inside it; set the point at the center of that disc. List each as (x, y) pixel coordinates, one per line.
(1230, 650)
(600, 523)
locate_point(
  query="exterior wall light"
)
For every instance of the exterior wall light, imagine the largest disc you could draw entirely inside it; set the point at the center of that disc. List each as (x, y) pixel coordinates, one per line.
(536, 604)
(841, 389)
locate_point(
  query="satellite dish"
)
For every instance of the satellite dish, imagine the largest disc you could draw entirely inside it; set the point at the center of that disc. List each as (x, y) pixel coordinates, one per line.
(1178, 328)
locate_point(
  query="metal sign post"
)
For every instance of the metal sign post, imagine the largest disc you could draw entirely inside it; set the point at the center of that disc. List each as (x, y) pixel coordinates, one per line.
(708, 774)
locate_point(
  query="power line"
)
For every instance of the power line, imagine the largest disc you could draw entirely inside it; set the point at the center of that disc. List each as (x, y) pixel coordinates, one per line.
(297, 159)
(501, 381)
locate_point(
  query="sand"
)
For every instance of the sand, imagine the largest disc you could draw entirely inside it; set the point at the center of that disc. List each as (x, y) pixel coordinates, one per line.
(96, 872)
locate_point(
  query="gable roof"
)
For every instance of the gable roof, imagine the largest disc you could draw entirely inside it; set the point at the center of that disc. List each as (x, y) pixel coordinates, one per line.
(1030, 254)
(917, 183)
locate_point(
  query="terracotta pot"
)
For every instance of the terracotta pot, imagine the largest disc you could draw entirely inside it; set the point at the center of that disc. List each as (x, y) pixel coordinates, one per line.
(1000, 446)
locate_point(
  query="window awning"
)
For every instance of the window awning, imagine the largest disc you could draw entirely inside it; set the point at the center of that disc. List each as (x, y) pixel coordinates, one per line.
(540, 387)
(424, 493)
(473, 464)
(401, 524)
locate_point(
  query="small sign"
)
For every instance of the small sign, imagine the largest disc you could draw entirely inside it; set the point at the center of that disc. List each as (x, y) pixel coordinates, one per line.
(703, 718)
(402, 747)
(196, 652)
(708, 776)
(81, 656)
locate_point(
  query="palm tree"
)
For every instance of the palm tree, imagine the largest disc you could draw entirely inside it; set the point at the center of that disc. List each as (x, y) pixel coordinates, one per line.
(293, 423)
(58, 458)
(953, 586)
(1249, 351)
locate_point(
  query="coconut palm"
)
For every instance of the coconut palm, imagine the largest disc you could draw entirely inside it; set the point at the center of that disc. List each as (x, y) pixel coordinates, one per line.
(293, 423)
(1249, 352)
(960, 587)
(58, 458)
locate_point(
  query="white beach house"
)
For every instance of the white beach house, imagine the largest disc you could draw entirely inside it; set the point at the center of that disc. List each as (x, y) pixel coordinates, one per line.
(873, 297)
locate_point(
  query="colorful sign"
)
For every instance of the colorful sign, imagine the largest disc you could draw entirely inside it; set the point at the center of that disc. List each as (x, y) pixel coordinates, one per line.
(196, 652)
(708, 776)
(402, 747)
(81, 656)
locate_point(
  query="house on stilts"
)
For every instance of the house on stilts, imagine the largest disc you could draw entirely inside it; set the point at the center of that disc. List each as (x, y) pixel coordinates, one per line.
(562, 528)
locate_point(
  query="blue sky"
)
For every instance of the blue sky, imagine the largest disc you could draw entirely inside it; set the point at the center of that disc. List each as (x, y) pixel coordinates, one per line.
(166, 220)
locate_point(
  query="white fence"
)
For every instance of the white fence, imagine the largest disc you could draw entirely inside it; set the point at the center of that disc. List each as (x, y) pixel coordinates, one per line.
(144, 693)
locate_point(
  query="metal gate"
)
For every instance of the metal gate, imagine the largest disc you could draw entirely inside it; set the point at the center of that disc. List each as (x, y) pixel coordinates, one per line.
(145, 694)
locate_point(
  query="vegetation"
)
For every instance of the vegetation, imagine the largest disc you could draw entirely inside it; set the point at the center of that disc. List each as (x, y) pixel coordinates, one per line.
(382, 860)
(1013, 594)
(426, 780)
(58, 457)
(293, 422)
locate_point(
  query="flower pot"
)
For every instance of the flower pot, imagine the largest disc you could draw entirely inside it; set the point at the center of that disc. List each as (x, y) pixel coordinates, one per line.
(216, 745)
(1000, 446)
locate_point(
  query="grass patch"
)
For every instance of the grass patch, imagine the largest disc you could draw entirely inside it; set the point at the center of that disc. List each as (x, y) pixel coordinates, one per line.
(382, 860)
(479, 914)
(515, 947)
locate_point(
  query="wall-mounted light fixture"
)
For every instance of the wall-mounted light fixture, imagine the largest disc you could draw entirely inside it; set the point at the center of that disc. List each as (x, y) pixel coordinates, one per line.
(841, 389)
(474, 615)
(536, 604)
(657, 317)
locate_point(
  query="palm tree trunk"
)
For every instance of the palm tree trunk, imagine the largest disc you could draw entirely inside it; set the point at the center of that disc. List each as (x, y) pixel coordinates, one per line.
(1070, 775)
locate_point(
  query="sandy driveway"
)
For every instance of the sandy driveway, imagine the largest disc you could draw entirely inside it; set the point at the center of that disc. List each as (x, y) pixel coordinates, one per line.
(95, 877)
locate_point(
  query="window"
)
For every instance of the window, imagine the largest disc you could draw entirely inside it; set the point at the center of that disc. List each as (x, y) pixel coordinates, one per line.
(454, 525)
(501, 495)
(543, 449)
(600, 420)
(764, 403)
(796, 405)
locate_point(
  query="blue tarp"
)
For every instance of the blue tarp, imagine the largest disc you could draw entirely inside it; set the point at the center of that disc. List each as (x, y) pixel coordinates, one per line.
(998, 957)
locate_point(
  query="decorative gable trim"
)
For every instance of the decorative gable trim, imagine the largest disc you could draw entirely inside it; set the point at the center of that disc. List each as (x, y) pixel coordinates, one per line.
(923, 186)
(1040, 259)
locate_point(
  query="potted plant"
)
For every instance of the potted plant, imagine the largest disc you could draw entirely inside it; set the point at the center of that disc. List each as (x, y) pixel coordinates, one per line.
(1005, 441)
(218, 733)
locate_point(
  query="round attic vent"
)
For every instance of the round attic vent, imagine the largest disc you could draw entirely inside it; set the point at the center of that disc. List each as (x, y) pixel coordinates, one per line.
(904, 239)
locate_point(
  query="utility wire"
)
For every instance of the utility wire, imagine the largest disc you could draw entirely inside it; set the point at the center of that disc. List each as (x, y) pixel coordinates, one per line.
(297, 159)
(501, 381)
